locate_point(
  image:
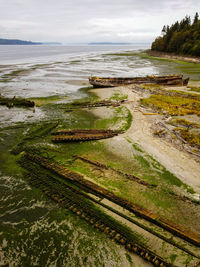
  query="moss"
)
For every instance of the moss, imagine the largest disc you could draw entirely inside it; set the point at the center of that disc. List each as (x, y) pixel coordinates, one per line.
(173, 258)
(8, 164)
(136, 147)
(158, 171)
(194, 89)
(36, 131)
(41, 101)
(160, 200)
(13, 74)
(121, 119)
(129, 259)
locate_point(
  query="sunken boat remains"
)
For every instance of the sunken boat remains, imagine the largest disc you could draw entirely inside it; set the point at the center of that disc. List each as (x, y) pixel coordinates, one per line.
(12, 102)
(114, 82)
(82, 135)
(103, 103)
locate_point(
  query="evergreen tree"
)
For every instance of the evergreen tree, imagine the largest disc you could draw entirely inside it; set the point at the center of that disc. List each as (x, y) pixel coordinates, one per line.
(196, 18)
(181, 37)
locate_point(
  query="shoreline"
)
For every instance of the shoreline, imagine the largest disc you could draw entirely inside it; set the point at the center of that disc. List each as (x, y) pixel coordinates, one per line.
(140, 131)
(172, 56)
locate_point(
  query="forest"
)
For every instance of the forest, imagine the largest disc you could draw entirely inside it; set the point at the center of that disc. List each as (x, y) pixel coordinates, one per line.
(181, 37)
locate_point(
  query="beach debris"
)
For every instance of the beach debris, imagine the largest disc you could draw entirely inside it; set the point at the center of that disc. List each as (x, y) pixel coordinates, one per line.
(20, 102)
(119, 81)
(82, 135)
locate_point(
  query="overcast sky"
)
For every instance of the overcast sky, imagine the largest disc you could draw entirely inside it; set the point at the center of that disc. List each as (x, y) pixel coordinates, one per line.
(71, 21)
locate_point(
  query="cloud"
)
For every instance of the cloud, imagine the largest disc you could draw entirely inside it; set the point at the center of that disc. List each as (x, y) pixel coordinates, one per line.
(90, 20)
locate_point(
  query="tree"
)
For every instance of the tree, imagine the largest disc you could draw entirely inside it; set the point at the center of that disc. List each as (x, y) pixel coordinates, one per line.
(164, 30)
(180, 37)
(196, 18)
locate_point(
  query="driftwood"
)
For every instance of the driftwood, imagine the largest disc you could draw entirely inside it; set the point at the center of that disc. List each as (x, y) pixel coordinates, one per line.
(82, 135)
(163, 80)
(11, 102)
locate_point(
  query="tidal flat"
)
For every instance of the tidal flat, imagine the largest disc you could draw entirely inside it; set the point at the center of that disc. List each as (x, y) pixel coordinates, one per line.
(49, 220)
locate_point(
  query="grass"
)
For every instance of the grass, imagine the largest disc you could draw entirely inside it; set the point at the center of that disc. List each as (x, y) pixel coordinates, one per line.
(173, 105)
(184, 123)
(118, 96)
(158, 89)
(189, 137)
(144, 56)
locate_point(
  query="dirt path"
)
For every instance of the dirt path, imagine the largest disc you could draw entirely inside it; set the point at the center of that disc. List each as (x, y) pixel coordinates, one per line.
(178, 162)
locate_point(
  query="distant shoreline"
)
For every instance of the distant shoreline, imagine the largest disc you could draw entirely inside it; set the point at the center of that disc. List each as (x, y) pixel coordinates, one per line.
(22, 42)
(173, 56)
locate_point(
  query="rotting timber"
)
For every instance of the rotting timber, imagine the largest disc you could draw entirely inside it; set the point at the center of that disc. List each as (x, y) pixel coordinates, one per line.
(119, 81)
(104, 103)
(82, 135)
(20, 102)
(70, 198)
(128, 176)
(78, 179)
(67, 196)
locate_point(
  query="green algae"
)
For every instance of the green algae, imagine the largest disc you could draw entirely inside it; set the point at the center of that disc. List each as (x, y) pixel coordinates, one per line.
(194, 88)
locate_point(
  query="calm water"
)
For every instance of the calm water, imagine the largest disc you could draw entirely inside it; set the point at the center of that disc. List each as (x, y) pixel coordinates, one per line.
(29, 53)
(33, 230)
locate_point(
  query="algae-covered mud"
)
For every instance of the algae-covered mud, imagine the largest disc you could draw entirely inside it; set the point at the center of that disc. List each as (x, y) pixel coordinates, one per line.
(119, 201)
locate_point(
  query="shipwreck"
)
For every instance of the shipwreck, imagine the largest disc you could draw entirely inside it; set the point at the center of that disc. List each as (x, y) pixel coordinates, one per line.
(119, 81)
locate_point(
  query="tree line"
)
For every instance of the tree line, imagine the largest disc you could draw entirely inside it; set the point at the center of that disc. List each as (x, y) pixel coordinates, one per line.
(181, 37)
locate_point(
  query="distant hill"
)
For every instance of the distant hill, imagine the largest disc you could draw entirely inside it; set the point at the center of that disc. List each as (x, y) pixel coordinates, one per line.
(17, 42)
(51, 43)
(21, 42)
(181, 37)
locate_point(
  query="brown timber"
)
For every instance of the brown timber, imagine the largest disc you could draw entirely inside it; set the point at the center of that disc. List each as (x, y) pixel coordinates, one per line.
(82, 135)
(119, 81)
(74, 177)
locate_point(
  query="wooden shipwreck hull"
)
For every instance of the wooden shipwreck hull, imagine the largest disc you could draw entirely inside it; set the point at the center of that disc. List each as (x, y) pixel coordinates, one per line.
(82, 135)
(11, 102)
(89, 186)
(162, 80)
(103, 103)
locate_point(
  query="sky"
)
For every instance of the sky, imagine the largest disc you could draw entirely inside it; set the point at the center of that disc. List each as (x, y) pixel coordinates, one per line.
(82, 21)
